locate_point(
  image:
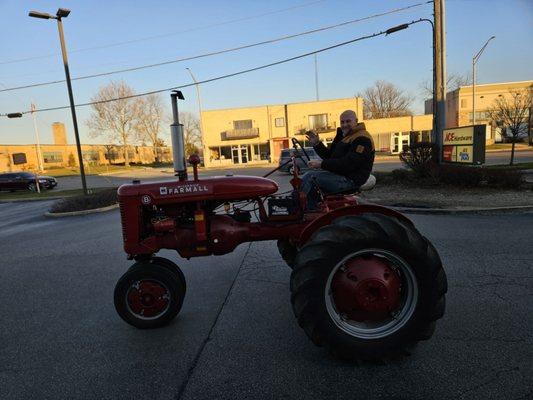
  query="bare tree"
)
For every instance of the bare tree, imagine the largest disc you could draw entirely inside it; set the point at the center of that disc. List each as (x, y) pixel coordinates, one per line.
(151, 116)
(384, 100)
(453, 81)
(117, 119)
(511, 113)
(191, 132)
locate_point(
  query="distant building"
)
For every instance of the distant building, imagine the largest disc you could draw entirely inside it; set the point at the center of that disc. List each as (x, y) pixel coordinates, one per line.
(255, 135)
(60, 154)
(59, 133)
(459, 103)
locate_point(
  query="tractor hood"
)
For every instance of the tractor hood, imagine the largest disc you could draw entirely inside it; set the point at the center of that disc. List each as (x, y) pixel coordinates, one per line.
(213, 188)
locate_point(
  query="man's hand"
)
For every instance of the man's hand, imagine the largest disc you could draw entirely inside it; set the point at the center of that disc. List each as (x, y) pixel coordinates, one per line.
(312, 137)
(314, 164)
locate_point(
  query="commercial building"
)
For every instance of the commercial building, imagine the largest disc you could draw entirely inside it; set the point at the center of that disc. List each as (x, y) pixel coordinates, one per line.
(255, 135)
(459, 110)
(60, 154)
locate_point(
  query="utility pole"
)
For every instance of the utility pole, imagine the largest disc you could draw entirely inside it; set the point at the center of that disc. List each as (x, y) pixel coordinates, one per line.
(440, 74)
(38, 142)
(37, 147)
(316, 77)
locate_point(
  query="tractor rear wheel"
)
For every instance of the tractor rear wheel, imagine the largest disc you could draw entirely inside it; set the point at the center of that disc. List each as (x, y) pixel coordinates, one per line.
(368, 287)
(149, 295)
(287, 251)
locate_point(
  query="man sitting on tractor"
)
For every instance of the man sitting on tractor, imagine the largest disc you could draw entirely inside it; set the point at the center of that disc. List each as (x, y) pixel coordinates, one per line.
(345, 165)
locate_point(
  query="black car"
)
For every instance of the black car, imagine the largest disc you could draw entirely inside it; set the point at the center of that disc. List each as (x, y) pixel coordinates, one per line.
(25, 181)
(302, 164)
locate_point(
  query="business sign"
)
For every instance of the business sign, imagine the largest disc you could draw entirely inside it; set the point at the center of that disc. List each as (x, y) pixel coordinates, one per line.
(465, 144)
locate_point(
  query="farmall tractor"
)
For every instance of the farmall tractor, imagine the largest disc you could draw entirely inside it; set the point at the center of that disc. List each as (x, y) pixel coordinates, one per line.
(364, 283)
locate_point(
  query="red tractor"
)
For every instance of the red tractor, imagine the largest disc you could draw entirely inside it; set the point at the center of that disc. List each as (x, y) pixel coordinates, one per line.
(365, 283)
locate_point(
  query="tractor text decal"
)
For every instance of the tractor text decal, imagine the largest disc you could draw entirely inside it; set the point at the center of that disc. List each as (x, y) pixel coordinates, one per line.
(164, 190)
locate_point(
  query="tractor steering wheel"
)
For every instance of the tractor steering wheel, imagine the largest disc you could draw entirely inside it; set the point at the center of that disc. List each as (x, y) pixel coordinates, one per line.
(296, 143)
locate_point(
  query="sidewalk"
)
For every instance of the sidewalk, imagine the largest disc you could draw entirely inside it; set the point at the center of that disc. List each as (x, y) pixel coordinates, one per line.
(449, 198)
(518, 147)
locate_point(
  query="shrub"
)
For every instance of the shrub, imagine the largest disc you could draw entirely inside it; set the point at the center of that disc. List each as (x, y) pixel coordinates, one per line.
(505, 178)
(419, 157)
(400, 175)
(459, 175)
(102, 198)
(382, 177)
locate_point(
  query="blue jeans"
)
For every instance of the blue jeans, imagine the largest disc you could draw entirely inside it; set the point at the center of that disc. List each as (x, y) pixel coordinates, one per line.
(328, 182)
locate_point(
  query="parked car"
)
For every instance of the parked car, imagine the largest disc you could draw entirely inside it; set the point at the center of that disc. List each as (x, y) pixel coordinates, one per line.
(302, 163)
(25, 181)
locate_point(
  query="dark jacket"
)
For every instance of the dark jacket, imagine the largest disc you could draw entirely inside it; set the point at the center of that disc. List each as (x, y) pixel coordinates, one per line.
(351, 155)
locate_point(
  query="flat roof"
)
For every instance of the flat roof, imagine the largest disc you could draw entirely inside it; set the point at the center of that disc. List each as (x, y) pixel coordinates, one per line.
(282, 104)
(496, 84)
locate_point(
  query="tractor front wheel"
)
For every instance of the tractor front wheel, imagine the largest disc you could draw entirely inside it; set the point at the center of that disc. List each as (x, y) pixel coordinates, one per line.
(149, 295)
(368, 287)
(168, 264)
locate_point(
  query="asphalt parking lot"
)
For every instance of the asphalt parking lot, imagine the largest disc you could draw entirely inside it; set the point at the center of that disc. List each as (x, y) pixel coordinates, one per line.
(236, 336)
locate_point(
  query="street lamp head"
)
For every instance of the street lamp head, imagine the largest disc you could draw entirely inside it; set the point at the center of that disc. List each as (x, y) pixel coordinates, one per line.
(14, 115)
(178, 94)
(37, 14)
(396, 29)
(62, 13)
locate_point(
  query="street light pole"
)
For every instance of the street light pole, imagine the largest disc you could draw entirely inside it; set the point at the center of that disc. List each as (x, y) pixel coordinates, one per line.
(474, 61)
(200, 111)
(63, 13)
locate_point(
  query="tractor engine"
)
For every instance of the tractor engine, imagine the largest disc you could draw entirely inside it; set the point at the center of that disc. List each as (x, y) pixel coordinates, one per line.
(180, 214)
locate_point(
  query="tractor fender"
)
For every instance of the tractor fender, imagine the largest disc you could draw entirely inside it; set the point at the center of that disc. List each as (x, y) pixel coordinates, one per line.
(328, 218)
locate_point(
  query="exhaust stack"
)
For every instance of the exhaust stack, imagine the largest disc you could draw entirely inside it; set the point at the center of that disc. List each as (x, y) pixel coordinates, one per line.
(176, 135)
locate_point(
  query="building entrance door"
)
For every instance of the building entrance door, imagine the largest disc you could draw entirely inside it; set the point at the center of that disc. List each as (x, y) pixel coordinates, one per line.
(244, 154)
(235, 154)
(239, 154)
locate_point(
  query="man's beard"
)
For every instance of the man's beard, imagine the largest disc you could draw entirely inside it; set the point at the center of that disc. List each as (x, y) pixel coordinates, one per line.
(346, 131)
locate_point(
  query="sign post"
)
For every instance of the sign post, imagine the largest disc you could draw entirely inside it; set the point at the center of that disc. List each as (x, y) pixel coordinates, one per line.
(464, 145)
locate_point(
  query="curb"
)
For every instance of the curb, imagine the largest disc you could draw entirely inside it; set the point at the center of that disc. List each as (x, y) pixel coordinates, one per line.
(507, 150)
(82, 212)
(113, 173)
(30, 199)
(451, 211)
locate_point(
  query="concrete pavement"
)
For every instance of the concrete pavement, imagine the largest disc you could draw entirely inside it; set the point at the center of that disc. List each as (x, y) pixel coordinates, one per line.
(236, 336)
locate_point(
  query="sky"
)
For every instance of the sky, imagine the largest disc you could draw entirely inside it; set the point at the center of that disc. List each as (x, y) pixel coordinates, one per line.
(157, 31)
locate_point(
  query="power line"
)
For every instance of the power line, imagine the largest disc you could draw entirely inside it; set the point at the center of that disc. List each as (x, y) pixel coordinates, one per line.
(386, 32)
(105, 46)
(233, 49)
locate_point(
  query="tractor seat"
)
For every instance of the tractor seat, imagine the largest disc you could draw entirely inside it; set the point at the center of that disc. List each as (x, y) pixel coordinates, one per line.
(368, 185)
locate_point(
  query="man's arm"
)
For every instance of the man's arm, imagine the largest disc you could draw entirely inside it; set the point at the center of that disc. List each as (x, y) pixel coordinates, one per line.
(359, 153)
(322, 151)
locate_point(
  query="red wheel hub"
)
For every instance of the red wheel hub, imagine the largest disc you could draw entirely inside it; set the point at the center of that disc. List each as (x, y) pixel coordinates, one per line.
(366, 289)
(148, 298)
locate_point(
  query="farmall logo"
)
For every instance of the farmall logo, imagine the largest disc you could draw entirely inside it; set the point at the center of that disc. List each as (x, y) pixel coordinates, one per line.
(185, 189)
